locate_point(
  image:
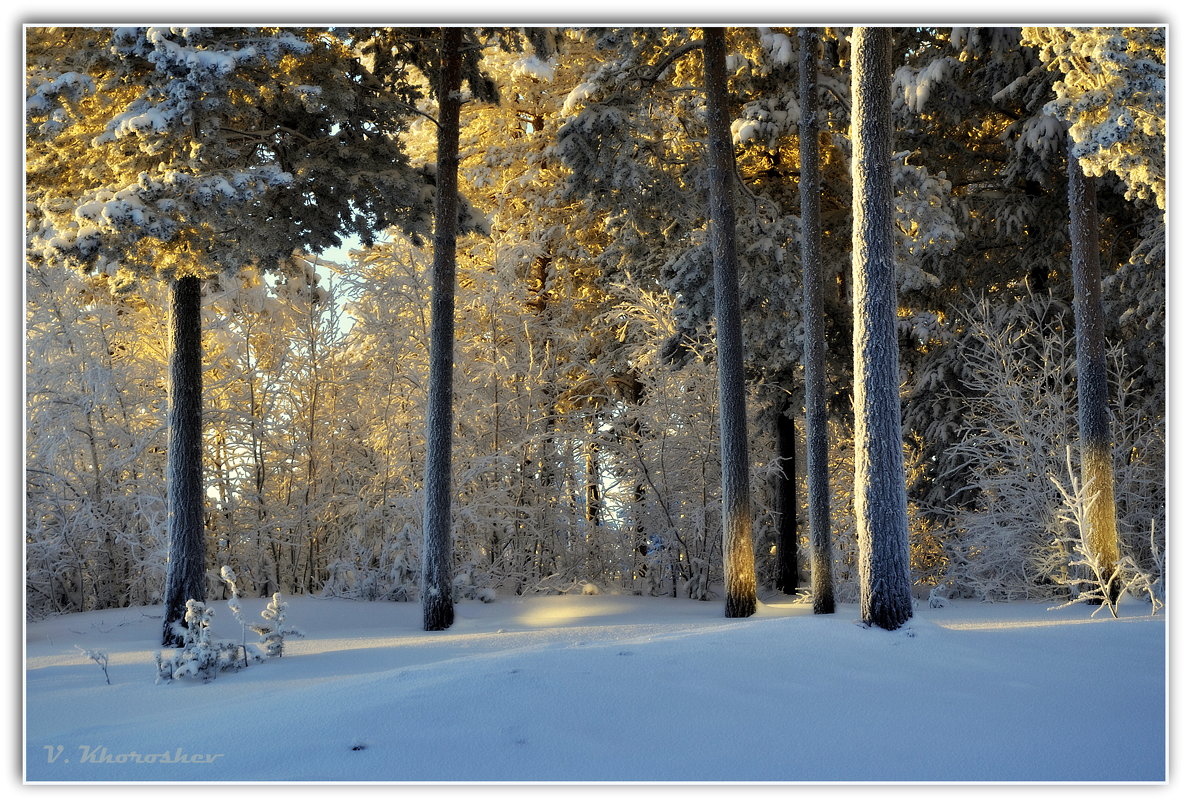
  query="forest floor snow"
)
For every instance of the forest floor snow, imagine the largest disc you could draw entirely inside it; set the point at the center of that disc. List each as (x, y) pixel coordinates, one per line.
(612, 688)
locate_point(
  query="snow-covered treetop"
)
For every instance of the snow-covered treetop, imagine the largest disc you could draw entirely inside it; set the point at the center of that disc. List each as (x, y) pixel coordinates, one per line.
(175, 151)
(1112, 97)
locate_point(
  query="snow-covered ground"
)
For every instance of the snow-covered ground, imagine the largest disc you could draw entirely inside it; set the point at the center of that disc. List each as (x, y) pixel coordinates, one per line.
(613, 688)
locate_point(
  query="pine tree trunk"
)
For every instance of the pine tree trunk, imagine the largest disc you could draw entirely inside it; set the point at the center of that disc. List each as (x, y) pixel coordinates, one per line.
(634, 395)
(816, 401)
(787, 573)
(437, 557)
(1100, 538)
(185, 578)
(740, 580)
(592, 477)
(880, 491)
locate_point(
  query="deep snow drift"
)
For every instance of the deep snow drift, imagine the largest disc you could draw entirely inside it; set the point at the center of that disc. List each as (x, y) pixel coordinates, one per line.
(612, 688)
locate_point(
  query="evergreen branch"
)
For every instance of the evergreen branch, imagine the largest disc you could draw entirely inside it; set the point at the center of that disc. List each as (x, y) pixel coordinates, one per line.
(670, 58)
(264, 133)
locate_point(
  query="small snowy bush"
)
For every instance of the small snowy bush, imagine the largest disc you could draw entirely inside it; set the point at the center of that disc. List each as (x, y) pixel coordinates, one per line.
(200, 656)
(273, 631)
(473, 583)
(98, 657)
(1088, 578)
(250, 652)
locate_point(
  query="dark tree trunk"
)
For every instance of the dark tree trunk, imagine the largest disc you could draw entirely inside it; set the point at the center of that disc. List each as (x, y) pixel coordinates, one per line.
(787, 575)
(633, 396)
(185, 578)
(592, 479)
(1095, 440)
(740, 581)
(1039, 279)
(816, 400)
(880, 481)
(437, 556)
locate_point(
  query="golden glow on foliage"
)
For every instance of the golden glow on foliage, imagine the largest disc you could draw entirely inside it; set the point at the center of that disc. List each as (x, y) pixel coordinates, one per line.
(1112, 96)
(184, 257)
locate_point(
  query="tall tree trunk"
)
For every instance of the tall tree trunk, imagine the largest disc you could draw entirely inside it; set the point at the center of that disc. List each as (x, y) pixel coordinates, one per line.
(592, 476)
(185, 577)
(633, 396)
(816, 401)
(740, 581)
(437, 556)
(307, 523)
(880, 492)
(787, 575)
(1095, 440)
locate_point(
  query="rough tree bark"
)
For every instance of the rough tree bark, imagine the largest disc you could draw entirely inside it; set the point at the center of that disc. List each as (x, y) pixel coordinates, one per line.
(437, 556)
(1099, 534)
(816, 401)
(185, 578)
(740, 580)
(880, 481)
